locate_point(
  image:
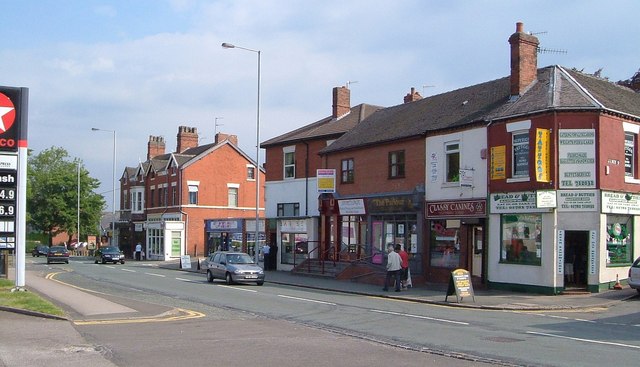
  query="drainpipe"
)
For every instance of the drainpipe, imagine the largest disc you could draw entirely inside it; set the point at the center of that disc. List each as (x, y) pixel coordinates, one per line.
(306, 180)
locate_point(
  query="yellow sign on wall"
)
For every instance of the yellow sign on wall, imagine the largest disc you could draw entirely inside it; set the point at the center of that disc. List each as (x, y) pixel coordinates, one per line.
(542, 159)
(498, 162)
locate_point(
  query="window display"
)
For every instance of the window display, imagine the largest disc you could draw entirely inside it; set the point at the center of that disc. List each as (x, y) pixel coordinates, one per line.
(445, 245)
(521, 239)
(619, 239)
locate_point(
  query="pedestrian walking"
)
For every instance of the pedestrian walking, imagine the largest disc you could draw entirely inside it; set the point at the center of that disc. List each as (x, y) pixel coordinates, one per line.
(266, 250)
(404, 265)
(393, 269)
(138, 251)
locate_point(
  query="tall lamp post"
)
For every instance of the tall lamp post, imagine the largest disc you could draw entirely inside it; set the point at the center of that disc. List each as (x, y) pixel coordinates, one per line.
(113, 201)
(257, 238)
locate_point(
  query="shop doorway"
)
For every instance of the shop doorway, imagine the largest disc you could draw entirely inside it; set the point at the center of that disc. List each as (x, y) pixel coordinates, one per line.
(576, 259)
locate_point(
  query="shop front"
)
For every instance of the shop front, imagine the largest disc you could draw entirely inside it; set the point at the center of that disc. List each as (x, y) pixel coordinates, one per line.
(456, 239)
(165, 237)
(223, 235)
(296, 242)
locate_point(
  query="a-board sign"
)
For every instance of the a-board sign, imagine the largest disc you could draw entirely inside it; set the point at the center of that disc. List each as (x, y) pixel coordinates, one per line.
(460, 285)
(185, 262)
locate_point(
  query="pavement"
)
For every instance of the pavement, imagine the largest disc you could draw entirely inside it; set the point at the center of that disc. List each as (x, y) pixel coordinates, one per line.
(22, 332)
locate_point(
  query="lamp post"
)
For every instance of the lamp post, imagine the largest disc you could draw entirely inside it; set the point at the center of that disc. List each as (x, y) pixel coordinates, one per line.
(229, 45)
(113, 201)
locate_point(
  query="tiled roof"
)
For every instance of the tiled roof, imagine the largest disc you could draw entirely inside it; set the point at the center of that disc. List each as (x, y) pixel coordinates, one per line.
(325, 127)
(556, 88)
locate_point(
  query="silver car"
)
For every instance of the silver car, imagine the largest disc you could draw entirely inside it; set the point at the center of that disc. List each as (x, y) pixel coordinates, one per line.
(234, 267)
(634, 275)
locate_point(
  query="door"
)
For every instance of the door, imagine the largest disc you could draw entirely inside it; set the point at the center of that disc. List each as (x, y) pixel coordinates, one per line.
(576, 255)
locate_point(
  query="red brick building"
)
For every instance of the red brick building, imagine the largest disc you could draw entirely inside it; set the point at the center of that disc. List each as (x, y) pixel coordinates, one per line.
(168, 200)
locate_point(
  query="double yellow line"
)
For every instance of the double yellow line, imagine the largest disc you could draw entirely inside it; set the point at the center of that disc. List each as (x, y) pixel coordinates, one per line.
(182, 314)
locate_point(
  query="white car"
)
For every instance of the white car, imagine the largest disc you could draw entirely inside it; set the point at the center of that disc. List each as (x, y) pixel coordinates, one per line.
(634, 275)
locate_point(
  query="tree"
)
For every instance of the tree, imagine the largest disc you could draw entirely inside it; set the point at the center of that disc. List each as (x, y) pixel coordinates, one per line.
(52, 195)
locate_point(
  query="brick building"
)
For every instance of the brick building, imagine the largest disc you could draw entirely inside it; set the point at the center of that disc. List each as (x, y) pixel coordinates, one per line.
(168, 200)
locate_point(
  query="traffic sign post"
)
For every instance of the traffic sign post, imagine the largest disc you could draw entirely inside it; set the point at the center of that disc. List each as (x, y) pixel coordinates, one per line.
(13, 176)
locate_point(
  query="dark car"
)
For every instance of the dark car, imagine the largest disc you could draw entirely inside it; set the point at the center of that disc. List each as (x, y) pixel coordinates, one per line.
(40, 250)
(110, 254)
(234, 267)
(58, 254)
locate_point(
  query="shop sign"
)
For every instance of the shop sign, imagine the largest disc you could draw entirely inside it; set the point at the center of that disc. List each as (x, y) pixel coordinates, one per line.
(391, 204)
(620, 203)
(326, 180)
(462, 208)
(351, 207)
(498, 161)
(577, 200)
(293, 225)
(466, 177)
(515, 202)
(223, 225)
(543, 155)
(577, 158)
(546, 199)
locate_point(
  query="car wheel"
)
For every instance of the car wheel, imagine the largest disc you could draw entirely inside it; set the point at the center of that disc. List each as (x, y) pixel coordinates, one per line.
(228, 279)
(638, 290)
(95, 262)
(209, 276)
(121, 261)
(48, 262)
(66, 262)
(104, 262)
(260, 283)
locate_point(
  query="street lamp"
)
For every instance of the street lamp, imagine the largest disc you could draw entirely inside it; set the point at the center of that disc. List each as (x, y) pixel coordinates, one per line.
(113, 202)
(229, 45)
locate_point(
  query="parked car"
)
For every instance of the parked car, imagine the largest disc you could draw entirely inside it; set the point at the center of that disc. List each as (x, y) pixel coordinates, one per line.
(109, 254)
(634, 275)
(40, 250)
(57, 254)
(234, 267)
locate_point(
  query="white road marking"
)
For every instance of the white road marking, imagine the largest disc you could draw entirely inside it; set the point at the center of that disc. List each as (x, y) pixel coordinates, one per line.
(129, 270)
(307, 300)
(184, 280)
(585, 340)
(420, 317)
(239, 289)
(156, 275)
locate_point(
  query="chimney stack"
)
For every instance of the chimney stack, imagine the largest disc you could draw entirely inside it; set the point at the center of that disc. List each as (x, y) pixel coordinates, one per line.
(412, 96)
(220, 137)
(341, 101)
(524, 60)
(187, 138)
(155, 146)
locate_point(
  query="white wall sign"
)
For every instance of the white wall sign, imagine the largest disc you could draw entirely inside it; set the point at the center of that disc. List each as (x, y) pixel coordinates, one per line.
(515, 202)
(466, 177)
(577, 200)
(561, 252)
(433, 166)
(546, 199)
(620, 203)
(577, 158)
(593, 250)
(293, 226)
(351, 207)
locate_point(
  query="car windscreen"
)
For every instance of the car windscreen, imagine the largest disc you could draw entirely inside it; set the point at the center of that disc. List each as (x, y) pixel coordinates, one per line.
(239, 259)
(110, 250)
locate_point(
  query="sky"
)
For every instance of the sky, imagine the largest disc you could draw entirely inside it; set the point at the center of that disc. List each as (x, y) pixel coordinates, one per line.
(145, 67)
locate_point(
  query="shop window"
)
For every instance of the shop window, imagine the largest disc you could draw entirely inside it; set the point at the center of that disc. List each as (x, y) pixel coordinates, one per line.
(396, 164)
(520, 154)
(347, 171)
(521, 239)
(193, 194)
(619, 239)
(295, 248)
(452, 152)
(288, 209)
(629, 154)
(445, 243)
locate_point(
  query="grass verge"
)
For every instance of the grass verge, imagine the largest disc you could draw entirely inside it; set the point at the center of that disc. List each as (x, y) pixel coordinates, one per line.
(26, 300)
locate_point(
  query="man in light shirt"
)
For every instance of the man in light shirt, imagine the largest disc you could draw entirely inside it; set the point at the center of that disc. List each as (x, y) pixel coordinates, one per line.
(393, 268)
